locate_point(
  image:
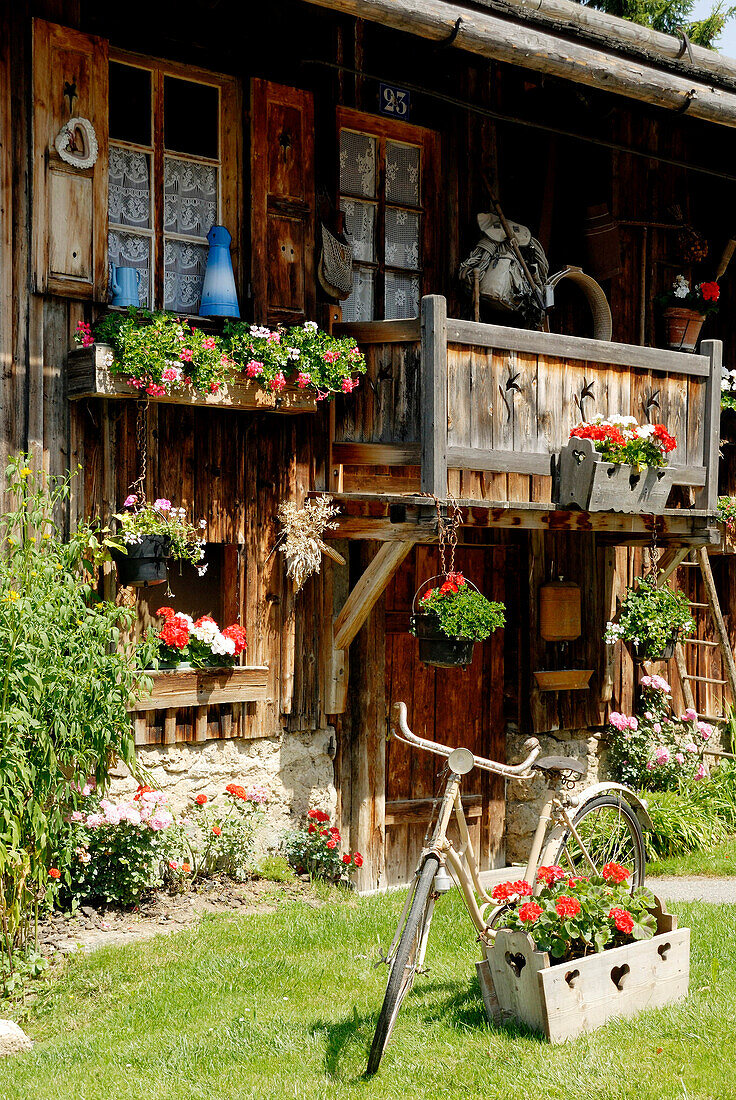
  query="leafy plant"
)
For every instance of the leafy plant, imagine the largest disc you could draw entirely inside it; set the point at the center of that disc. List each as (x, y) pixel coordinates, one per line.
(650, 617)
(681, 824)
(184, 540)
(303, 354)
(223, 839)
(726, 509)
(574, 917)
(656, 749)
(113, 852)
(314, 849)
(65, 683)
(459, 610)
(702, 298)
(621, 439)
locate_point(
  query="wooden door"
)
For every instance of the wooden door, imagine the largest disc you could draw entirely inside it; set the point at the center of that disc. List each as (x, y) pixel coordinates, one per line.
(452, 706)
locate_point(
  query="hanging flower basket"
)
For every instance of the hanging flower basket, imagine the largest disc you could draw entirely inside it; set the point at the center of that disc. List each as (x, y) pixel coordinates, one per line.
(664, 653)
(143, 563)
(450, 619)
(651, 619)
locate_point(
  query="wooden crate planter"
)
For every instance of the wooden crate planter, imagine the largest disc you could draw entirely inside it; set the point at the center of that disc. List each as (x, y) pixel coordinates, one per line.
(587, 483)
(566, 999)
(88, 376)
(205, 687)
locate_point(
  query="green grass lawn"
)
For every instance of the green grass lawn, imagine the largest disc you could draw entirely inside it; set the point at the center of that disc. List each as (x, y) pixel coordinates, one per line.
(719, 861)
(283, 1005)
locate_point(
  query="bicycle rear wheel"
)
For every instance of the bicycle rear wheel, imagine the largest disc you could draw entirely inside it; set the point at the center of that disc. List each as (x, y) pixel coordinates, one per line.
(404, 966)
(610, 832)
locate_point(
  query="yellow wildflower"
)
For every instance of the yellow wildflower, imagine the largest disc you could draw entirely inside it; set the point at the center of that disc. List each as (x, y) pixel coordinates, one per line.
(12, 596)
(25, 471)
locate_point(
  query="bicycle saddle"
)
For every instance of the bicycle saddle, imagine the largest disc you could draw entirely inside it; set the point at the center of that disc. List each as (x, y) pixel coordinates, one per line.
(560, 764)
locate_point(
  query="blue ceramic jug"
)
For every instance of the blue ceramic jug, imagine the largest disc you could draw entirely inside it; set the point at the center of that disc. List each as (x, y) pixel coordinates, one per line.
(219, 298)
(124, 283)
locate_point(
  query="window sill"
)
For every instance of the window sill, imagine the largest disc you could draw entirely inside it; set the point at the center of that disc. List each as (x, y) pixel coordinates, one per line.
(204, 687)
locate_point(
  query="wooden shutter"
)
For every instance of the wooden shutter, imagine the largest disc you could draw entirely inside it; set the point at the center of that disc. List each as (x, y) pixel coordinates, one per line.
(283, 204)
(69, 204)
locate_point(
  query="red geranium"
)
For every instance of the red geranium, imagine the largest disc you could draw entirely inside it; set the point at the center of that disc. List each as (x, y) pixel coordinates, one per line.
(710, 291)
(522, 887)
(667, 441)
(551, 874)
(216, 830)
(503, 891)
(332, 843)
(236, 790)
(201, 799)
(166, 613)
(175, 633)
(142, 789)
(358, 859)
(614, 872)
(318, 815)
(529, 912)
(54, 872)
(346, 858)
(567, 907)
(622, 919)
(237, 634)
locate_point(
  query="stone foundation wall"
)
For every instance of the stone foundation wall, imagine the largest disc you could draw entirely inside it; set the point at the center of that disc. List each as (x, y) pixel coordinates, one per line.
(525, 797)
(295, 768)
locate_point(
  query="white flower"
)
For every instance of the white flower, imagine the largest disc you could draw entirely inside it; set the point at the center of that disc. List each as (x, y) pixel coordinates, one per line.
(681, 287)
(222, 645)
(294, 353)
(645, 430)
(259, 330)
(725, 385)
(311, 326)
(201, 569)
(203, 523)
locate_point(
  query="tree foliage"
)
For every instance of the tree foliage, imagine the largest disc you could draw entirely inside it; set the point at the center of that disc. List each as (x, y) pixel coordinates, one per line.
(671, 17)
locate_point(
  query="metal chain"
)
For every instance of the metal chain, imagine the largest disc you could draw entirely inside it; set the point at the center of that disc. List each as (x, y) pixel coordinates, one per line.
(652, 550)
(447, 530)
(138, 487)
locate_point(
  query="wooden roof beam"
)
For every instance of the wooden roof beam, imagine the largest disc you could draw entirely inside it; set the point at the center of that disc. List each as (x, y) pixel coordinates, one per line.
(500, 39)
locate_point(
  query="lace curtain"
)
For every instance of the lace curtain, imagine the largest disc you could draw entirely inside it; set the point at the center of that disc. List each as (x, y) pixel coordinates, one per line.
(129, 195)
(402, 238)
(190, 197)
(360, 221)
(357, 164)
(402, 173)
(184, 265)
(132, 250)
(402, 296)
(359, 306)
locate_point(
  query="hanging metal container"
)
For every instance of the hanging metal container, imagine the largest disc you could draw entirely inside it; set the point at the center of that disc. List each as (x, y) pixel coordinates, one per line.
(560, 611)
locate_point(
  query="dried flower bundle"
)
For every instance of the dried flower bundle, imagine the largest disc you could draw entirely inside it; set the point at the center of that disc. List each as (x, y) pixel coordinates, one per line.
(301, 541)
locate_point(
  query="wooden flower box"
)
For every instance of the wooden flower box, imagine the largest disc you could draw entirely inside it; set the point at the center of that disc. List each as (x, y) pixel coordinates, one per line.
(202, 687)
(588, 483)
(88, 375)
(566, 999)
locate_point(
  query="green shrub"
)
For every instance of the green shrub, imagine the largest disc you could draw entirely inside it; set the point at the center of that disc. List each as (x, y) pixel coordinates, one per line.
(459, 610)
(681, 824)
(314, 849)
(275, 868)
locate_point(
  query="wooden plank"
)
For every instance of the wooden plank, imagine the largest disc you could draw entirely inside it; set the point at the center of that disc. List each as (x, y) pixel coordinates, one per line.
(87, 376)
(376, 454)
(185, 689)
(417, 810)
(711, 424)
(434, 395)
(368, 590)
(553, 344)
(500, 461)
(379, 332)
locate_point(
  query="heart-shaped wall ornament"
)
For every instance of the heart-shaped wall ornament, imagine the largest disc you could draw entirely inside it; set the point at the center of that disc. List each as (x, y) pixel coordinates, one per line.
(76, 143)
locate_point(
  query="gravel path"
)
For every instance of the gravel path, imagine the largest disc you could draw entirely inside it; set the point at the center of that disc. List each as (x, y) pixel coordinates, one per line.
(719, 891)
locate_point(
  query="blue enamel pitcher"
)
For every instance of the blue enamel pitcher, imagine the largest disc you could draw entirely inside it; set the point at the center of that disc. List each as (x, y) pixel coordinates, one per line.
(125, 286)
(219, 297)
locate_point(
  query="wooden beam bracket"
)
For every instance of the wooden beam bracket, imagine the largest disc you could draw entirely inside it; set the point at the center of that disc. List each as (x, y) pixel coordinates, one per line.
(369, 590)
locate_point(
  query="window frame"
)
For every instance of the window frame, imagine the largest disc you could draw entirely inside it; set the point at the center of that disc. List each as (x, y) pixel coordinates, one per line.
(383, 130)
(228, 163)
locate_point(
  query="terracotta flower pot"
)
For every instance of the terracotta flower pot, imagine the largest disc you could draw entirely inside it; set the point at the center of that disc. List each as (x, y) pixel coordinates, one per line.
(682, 328)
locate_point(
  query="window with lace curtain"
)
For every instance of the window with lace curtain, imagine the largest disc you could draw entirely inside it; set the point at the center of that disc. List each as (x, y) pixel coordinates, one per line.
(170, 179)
(383, 186)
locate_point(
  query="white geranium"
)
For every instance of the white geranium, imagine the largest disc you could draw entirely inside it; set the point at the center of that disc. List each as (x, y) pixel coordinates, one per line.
(223, 646)
(681, 287)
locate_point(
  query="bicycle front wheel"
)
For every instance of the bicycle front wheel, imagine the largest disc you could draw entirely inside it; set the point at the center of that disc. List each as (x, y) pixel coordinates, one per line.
(610, 832)
(406, 960)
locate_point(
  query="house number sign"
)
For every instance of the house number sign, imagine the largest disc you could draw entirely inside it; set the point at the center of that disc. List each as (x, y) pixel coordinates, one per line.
(394, 101)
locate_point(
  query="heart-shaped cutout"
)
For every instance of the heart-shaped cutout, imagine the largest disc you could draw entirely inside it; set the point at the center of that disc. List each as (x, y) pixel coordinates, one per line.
(517, 962)
(664, 949)
(571, 977)
(618, 974)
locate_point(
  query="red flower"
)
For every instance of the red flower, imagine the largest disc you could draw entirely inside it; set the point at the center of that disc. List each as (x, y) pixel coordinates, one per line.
(54, 872)
(522, 887)
(358, 859)
(186, 868)
(236, 791)
(711, 291)
(529, 912)
(567, 907)
(614, 872)
(175, 633)
(237, 634)
(204, 619)
(216, 830)
(345, 858)
(166, 613)
(667, 441)
(550, 875)
(201, 799)
(622, 919)
(318, 815)
(173, 865)
(503, 891)
(312, 828)
(332, 844)
(142, 789)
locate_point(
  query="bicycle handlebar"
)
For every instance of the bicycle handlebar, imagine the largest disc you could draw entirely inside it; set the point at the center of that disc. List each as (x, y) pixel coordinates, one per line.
(514, 771)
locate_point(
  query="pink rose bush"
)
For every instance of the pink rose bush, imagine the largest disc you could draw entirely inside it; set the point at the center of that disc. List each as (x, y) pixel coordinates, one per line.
(658, 750)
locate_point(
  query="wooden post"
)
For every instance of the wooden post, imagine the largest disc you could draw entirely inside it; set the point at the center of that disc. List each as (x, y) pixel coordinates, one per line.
(717, 616)
(708, 496)
(434, 395)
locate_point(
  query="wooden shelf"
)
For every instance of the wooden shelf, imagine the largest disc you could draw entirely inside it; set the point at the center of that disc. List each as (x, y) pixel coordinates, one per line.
(87, 376)
(203, 687)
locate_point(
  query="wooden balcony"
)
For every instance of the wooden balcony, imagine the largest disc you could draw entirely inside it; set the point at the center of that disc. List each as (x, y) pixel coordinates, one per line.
(480, 411)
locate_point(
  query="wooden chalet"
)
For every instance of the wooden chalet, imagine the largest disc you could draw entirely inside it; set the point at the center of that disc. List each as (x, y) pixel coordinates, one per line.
(401, 114)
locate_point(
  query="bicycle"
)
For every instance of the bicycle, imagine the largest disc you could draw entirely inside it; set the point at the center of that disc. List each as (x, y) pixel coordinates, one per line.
(580, 831)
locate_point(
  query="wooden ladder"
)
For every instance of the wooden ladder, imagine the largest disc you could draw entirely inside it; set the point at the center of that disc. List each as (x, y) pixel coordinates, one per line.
(698, 558)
